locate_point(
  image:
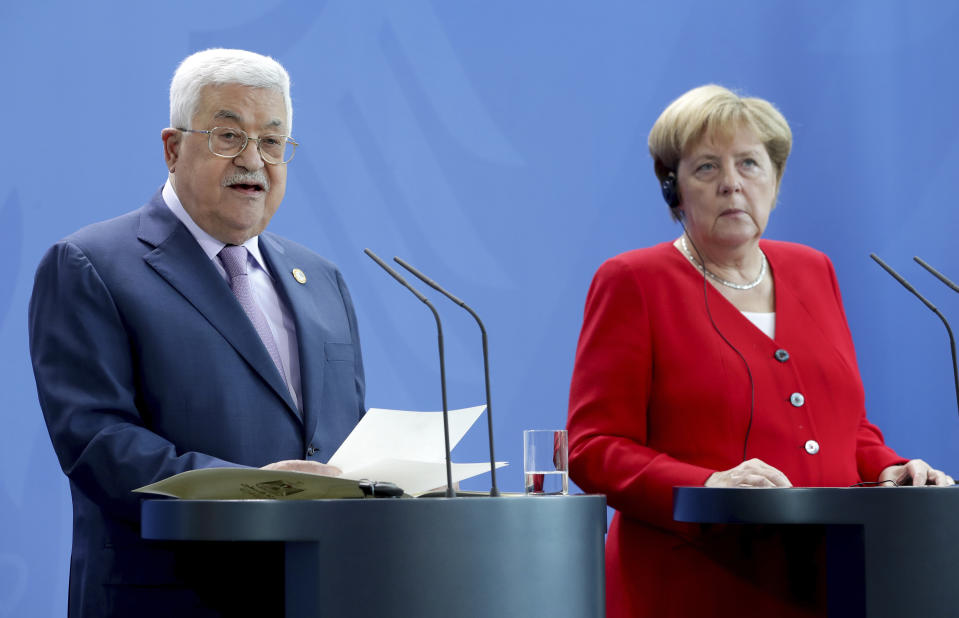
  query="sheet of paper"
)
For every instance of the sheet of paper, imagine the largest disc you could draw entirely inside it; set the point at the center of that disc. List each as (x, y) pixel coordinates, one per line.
(403, 447)
(252, 483)
(416, 477)
(400, 434)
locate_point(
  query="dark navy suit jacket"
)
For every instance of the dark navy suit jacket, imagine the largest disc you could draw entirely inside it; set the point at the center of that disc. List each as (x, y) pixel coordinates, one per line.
(147, 366)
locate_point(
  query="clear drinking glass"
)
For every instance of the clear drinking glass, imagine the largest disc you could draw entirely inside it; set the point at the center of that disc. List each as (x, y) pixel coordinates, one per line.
(546, 462)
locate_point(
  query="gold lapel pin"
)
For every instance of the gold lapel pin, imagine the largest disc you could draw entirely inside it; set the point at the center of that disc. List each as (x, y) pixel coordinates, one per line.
(299, 275)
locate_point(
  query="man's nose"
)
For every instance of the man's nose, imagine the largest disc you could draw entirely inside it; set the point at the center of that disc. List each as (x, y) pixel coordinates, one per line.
(250, 158)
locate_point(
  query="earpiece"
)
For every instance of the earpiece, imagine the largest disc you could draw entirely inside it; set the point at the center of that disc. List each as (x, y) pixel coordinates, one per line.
(670, 192)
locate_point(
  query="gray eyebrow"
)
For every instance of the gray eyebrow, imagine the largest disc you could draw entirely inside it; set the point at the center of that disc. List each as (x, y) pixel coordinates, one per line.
(225, 113)
(231, 115)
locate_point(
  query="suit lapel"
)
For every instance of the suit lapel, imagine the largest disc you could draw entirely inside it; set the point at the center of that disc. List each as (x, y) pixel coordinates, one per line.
(178, 258)
(311, 335)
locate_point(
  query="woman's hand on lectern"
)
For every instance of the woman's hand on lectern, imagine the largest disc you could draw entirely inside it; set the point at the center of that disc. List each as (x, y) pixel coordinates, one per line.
(303, 465)
(751, 473)
(915, 472)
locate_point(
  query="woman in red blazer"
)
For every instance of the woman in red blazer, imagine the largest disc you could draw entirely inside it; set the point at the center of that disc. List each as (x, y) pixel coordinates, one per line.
(722, 360)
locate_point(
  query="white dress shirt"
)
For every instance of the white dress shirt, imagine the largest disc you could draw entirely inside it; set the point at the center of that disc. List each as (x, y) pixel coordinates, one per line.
(277, 314)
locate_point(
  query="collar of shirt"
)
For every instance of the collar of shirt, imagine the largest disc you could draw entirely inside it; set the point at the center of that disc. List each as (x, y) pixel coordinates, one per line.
(211, 246)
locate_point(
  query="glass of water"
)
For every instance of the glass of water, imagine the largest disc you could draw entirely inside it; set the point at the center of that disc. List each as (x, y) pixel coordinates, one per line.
(546, 462)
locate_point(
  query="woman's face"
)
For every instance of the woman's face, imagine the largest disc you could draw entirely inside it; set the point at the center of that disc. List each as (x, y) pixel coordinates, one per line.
(727, 188)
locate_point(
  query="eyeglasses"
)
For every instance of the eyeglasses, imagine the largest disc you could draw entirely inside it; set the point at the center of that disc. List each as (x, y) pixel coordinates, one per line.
(228, 142)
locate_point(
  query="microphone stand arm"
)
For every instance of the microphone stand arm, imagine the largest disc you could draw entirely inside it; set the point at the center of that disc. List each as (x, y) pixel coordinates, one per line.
(952, 339)
(489, 410)
(450, 492)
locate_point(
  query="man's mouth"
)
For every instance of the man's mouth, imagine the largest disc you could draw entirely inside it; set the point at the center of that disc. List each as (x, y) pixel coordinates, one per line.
(248, 188)
(250, 184)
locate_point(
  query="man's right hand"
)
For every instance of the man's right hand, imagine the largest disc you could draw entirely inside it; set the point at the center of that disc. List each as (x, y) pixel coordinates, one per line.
(303, 465)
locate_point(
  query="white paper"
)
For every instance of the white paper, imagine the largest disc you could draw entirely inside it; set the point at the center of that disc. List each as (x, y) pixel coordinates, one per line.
(401, 434)
(407, 449)
(402, 447)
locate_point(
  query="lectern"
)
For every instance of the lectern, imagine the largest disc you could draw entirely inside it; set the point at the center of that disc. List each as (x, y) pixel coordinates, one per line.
(426, 557)
(891, 551)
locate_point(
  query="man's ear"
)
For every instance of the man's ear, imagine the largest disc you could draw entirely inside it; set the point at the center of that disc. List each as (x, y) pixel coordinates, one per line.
(171, 147)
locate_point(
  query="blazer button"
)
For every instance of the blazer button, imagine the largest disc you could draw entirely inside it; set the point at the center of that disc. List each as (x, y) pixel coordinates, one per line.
(781, 355)
(797, 399)
(812, 447)
(310, 451)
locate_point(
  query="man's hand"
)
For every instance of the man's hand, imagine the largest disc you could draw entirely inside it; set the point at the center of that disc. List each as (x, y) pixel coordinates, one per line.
(302, 465)
(751, 473)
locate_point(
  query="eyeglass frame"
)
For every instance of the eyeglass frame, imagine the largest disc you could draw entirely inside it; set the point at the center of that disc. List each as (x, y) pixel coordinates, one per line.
(209, 143)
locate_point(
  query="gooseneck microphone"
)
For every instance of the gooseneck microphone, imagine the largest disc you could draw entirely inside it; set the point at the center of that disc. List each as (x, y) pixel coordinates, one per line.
(450, 492)
(938, 275)
(489, 410)
(905, 284)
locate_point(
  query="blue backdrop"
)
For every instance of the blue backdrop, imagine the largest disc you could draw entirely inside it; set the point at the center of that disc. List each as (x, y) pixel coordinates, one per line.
(499, 146)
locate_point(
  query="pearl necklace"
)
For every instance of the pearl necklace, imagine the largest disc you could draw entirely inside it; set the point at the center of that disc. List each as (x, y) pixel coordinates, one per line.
(718, 279)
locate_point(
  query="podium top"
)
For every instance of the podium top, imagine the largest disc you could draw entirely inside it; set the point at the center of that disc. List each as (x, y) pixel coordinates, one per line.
(317, 520)
(810, 505)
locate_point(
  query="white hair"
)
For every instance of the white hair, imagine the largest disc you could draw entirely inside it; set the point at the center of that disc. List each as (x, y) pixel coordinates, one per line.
(224, 66)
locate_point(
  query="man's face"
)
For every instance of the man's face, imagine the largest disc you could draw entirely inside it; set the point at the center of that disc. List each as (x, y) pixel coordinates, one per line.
(231, 199)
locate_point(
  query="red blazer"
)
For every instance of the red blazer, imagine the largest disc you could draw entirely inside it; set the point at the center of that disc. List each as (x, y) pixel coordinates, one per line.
(658, 399)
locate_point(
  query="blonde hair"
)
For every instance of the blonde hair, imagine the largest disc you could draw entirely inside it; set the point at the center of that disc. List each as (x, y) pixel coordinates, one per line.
(715, 111)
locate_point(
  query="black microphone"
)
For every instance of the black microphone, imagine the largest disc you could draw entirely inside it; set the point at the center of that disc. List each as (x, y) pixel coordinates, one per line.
(952, 340)
(937, 274)
(489, 411)
(450, 492)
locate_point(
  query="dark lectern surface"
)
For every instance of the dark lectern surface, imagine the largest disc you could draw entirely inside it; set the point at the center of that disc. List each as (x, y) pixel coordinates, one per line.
(892, 551)
(426, 557)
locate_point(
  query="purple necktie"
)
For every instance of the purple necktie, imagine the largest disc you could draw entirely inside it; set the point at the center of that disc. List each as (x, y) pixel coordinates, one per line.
(234, 259)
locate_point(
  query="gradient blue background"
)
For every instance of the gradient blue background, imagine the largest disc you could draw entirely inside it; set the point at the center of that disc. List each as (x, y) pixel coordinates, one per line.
(499, 146)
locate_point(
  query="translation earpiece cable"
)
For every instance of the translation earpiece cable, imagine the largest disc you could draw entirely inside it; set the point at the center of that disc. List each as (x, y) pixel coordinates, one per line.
(709, 313)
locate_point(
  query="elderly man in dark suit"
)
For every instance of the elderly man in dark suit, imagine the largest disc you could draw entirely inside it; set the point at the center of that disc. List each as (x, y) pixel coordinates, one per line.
(182, 336)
